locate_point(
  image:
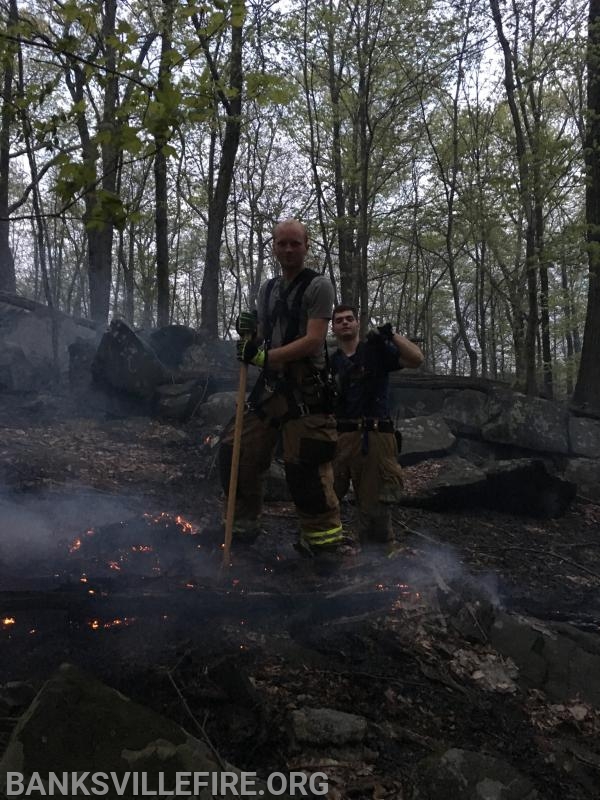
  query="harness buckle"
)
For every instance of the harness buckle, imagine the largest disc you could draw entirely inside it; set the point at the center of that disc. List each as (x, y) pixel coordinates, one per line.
(303, 409)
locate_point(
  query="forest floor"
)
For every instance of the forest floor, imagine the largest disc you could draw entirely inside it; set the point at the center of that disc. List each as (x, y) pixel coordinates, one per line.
(230, 654)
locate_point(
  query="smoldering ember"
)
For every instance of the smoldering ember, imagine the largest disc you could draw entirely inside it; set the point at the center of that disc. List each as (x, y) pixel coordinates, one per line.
(464, 662)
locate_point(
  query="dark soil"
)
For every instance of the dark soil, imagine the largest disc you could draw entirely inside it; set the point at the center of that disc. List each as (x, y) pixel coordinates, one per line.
(229, 654)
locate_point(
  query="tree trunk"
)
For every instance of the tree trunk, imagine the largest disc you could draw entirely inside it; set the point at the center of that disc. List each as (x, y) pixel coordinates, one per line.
(218, 207)
(587, 391)
(160, 173)
(527, 188)
(7, 264)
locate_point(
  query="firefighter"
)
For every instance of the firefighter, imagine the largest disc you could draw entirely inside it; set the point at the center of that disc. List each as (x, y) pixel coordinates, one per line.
(286, 340)
(367, 452)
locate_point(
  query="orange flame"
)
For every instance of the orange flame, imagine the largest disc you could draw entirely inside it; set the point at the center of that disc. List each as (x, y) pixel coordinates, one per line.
(185, 526)
(118, 622)
(8, 621)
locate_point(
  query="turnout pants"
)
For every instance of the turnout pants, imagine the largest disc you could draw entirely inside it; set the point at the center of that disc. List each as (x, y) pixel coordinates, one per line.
(370, 460)
(309, 444)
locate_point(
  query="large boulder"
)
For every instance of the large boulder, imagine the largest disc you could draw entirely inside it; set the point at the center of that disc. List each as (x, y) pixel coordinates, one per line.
(468, 775)
(561, 660)
(520, 486)
(466, 411)
(34, 343)
(527, 422)
(424, 437)
(78, 724)
(584, 436)
(125, 362)
(585, 473)
(219, 408)
(171, 342)
(182, 400)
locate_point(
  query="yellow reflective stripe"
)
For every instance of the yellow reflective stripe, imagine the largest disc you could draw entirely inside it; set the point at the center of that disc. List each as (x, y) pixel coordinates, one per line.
(331, 536)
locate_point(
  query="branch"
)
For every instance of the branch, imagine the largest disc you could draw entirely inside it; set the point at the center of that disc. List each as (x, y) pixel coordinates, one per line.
(52, 47)
(200, 726)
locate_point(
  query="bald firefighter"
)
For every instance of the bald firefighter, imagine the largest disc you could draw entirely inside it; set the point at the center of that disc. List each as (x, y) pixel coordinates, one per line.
(286, 340)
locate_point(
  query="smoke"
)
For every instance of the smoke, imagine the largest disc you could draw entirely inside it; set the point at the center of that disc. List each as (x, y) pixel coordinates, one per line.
(435, 564)
(34, 529)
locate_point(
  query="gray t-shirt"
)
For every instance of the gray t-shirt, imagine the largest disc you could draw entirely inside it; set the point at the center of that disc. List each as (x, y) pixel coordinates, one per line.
(317, 303)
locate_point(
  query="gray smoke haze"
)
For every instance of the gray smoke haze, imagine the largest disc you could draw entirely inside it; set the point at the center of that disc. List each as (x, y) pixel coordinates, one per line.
(34, 528)
(437, 564)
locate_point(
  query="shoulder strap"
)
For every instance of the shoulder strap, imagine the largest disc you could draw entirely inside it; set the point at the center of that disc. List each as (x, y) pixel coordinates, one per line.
(282, 311)
(268, 332)
(293, 312)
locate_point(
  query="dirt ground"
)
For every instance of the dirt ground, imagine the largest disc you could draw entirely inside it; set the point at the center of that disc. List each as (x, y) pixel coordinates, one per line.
(231, 655)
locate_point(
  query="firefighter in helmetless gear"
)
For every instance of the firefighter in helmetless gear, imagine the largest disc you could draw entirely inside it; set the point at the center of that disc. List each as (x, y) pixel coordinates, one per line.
(286, 339)
(367, 452)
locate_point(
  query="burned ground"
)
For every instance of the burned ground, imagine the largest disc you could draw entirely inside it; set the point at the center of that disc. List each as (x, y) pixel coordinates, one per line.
(400, 640)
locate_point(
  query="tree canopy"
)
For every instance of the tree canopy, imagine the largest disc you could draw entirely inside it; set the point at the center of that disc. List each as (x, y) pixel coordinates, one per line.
(441, 153)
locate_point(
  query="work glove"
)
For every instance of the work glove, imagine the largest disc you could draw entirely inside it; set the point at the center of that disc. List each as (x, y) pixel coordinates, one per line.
(247, 324)
(386, 331)
(248, 352)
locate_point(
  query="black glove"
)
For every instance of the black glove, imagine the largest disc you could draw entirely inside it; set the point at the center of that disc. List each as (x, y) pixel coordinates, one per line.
(247, 324)
(250, 353)
(376, 339)
(386, 331)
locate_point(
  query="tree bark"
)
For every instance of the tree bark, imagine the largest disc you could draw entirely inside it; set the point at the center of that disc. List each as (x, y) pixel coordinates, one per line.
(587, 390)
(218, 207)
(160, 174)
(526, 192)
(7, 264)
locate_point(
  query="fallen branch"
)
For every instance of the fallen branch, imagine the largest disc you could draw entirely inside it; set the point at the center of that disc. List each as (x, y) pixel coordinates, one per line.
(205, 737)
(552, 554)
(416, 533)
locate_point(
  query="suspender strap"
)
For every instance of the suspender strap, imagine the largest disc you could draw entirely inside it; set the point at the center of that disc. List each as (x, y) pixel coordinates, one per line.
(281, 311)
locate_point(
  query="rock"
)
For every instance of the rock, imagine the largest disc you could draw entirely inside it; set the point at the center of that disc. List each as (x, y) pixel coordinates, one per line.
(77, 723)
(16, 695)
(585, 473)
(584, 435)
(414, 402)
(457, 483)
(182, 400)
(520, 486)
(27, 336)
(219, 408)
(326, 726)
(171, 342)
(466, 411)
(218, 359)
(525, 486)
(125, 362)
(81, 356)
(18, 374)
(527, 422)
(469, 776)
(560, 660)
(424, 437)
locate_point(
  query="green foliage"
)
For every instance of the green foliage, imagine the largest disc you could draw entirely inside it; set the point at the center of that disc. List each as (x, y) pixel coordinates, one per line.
(73, 178)
(107, 210)
(268, 89)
